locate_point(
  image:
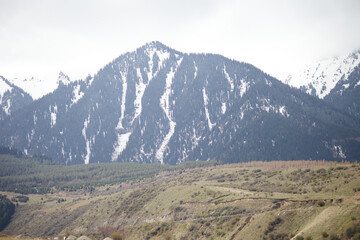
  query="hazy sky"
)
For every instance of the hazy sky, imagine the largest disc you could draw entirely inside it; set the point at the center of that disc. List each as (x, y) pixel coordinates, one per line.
(41, 37)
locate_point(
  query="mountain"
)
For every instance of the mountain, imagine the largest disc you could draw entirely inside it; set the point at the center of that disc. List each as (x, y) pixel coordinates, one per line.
(320, 78)
(335, 80)
(38, 88)
(160, 105)
(35, 87)
(12, 98)
(346, 94)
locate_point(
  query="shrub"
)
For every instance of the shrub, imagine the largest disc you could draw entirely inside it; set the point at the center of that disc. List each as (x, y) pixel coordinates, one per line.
(321, 203)
(116, 236)
(349, 232)
(192, 228)
(324, 234)
(272, 225)
(334, 237)
(356, 236)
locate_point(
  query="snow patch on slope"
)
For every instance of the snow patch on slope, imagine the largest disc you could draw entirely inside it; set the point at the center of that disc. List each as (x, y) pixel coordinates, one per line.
(7, 107)
(140, 87)
(163, 56)
(123, 99)
(268, 107)
(63, 79)
(139, 91)
(244, 86)
(357, 84)
(77, 94)
(338, 152)
(196, 70)
(87, 141)
(320, 78)
(229, 79)
(165, 105)
(120, 145)
(122, 138)
(4, 87)
(206, 101)
(223, 108)
(53, 113)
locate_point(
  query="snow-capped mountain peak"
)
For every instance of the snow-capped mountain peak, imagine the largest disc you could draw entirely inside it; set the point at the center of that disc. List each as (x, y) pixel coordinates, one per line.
(34, 86)
(63, 79)
(4, 87)
(11, 98)
(156, 104)
(320, 78)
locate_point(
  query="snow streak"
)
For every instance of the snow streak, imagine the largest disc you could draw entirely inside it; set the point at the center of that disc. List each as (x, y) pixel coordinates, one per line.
(88, 150)
(77, 95)
(123, 99)
(141, 86)
(123, 135)
(206, 100)
(266, 106)
(231, 81)
(122, 138)
(196, 70)
(243, 87)
(7, 107)
(165, 105)
(223, 108)
(120, 145)
(139, 91)
(53, 113)
(4, 87)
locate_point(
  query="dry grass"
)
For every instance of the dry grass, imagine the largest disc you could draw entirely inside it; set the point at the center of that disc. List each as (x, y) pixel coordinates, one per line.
(205, 203)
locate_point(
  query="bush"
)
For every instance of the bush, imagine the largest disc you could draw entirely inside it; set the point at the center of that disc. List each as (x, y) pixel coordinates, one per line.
(356, 236)
(116, 236)
(324, 234)
(349, 232)
(334, 237)
(272, 225)
(21, 198)
(299, 238)
(321, 203)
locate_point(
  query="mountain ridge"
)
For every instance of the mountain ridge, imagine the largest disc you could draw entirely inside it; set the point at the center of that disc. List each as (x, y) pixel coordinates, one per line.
(322, 77)
(156, 104)
(12, 98)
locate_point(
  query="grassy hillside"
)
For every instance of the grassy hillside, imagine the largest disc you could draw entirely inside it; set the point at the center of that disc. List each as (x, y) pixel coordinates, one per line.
(257, 200)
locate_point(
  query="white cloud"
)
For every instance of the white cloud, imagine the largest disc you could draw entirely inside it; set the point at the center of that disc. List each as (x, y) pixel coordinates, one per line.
(41, 37)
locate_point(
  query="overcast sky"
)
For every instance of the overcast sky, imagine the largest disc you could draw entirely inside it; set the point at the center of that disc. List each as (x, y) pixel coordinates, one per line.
(41, 37)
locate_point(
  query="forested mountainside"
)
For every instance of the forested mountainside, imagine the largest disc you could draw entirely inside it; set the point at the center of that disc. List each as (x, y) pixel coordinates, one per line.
(12, 98)
(160, 105)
